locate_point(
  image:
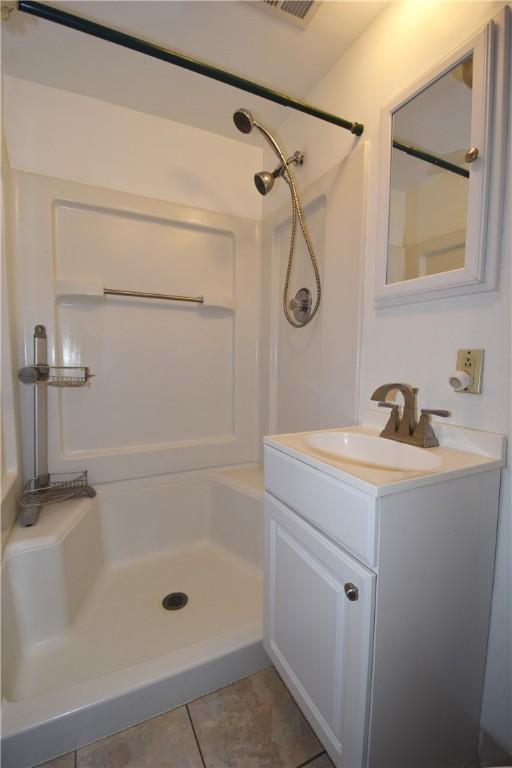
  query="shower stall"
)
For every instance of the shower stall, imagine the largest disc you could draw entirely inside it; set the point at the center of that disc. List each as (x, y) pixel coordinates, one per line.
(208, 319)
(93, 649)
(168, 433)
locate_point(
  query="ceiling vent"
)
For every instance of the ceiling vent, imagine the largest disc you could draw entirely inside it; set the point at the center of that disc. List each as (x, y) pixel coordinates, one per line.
(298, 12)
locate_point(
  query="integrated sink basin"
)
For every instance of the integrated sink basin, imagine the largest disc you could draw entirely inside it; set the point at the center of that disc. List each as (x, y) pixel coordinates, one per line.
(374, 451)
(359, 457)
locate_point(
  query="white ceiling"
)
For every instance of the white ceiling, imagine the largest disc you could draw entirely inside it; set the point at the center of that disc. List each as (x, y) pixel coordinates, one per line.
(232, 34)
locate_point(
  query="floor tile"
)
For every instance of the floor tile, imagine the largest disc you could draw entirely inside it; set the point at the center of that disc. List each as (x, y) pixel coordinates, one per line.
(253, 723)
(320, 762)
(65, 761)
(166, 741)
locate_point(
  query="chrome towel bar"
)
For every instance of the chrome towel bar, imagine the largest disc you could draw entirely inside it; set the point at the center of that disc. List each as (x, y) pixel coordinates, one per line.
(146, 295)
(67, 292)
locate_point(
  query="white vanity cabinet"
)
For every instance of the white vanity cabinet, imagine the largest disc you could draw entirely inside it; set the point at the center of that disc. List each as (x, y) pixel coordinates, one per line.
(377, 603)
(318, 638)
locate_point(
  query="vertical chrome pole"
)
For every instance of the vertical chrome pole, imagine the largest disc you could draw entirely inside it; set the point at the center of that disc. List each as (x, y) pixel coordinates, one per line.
(40, 411)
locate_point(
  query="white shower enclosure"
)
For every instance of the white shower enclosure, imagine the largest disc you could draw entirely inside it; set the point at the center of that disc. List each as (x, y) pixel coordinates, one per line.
(170, 428)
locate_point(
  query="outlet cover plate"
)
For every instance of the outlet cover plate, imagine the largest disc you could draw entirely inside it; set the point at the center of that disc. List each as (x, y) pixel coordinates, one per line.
(472, 361)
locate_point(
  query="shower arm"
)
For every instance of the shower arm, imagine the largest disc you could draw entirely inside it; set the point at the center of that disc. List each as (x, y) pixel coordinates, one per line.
(283, 168)
(296, 159)
(273, 143)
(57, 16)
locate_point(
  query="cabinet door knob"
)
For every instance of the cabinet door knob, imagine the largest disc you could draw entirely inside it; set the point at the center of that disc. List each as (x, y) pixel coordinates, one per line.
(471, 155)
(351, 591)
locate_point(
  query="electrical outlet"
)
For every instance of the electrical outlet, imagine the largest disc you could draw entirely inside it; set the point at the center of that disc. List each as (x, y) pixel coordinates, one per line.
(472, 361)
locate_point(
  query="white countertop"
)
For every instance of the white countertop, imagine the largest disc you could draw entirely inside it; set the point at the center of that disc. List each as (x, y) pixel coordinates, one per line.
(488, 452)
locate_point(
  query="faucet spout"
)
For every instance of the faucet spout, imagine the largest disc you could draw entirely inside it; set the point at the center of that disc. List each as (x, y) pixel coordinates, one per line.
(406, 429)
(407, 423)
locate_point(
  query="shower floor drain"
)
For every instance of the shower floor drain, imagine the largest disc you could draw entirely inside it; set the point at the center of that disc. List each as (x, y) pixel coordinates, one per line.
(174, 601)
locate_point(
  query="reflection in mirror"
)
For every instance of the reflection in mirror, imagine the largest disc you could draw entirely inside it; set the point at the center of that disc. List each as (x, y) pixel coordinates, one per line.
(430, 178)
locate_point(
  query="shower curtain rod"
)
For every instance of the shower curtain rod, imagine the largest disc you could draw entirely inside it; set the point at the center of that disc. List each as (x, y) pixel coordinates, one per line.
(72, 21)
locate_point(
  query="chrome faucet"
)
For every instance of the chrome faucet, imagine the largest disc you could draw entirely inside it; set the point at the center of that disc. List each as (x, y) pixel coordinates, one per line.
(405, 428)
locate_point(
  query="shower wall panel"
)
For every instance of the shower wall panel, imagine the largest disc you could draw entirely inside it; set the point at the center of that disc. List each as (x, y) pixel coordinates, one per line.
(313, 370)
(155, 353)
(175, 384)
(296, 390)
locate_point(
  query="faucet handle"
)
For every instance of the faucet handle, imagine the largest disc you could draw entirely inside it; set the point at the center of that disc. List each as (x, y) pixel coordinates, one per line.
(394, 419)
(424, 431)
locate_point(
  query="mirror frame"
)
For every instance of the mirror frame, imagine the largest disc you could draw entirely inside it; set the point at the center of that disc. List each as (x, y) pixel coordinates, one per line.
(487, 175)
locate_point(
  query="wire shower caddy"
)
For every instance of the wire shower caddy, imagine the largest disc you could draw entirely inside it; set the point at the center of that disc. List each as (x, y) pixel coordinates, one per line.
(45, 487)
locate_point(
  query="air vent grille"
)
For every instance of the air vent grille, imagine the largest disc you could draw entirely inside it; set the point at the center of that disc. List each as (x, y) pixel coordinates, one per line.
(298, 8)
(296, 11)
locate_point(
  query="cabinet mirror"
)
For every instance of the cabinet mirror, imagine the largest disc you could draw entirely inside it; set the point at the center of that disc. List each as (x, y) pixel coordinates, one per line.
(441, 176)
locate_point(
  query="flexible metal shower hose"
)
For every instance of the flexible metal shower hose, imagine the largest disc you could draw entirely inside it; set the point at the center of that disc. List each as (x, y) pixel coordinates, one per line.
(297, 213)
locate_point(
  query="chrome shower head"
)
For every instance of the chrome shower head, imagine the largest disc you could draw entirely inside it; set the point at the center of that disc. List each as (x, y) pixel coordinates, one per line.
(264, 182)
(244, 120)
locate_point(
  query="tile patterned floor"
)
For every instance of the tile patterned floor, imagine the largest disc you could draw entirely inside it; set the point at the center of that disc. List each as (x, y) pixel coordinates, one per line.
(66, 761)
(253, 723)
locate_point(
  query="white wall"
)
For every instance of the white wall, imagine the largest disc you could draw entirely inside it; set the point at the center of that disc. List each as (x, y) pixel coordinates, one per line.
(418, 343)
(66, 136)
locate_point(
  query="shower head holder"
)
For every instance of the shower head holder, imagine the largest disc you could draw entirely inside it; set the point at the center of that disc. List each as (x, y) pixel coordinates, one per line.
(264, 180)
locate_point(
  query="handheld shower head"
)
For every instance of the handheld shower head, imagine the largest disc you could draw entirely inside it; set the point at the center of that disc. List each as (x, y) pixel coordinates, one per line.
(244, 120)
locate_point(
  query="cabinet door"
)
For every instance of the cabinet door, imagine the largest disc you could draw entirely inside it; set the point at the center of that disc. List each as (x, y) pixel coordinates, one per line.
(318, 639)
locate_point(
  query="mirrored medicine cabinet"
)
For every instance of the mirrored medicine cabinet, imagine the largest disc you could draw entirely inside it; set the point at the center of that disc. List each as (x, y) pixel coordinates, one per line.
(442, 175)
